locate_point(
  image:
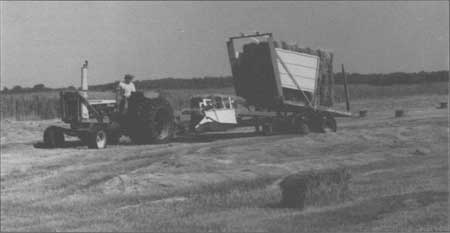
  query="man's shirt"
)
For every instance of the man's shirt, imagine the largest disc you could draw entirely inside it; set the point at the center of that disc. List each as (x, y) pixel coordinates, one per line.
(127, 88)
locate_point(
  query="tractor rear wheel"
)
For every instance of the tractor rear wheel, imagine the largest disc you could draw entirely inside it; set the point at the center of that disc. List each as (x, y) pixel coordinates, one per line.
(114, 133)
(53, 137)
(149, 120)
(113, 139)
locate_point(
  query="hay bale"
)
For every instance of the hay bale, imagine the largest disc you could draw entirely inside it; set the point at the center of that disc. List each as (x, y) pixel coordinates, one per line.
(326, 76)
(255, 67)
(315, 188)
(363, 113)
(399, 113)
(443, 105)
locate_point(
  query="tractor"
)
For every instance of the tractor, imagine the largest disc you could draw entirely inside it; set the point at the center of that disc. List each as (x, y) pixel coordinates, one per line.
(98, 123)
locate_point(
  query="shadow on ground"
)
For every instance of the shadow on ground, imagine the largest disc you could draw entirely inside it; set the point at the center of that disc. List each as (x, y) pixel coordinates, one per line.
(210, 137)
(192, 138)
(70, 144)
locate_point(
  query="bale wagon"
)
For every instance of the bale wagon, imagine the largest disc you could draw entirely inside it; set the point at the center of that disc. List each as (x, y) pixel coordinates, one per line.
(284, 90)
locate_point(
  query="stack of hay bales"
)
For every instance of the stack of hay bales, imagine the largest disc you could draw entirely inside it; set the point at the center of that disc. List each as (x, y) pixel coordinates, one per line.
(254, 80)
(254, 77)
(326, 77)
(315, 188)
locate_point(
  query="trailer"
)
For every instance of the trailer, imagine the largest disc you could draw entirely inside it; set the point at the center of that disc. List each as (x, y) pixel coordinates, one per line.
(281, 88)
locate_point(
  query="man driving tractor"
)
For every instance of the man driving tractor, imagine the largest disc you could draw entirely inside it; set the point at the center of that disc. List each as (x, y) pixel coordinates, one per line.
(124, 90)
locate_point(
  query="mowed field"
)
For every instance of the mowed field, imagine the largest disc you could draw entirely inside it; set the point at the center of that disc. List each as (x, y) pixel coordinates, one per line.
(229, 182)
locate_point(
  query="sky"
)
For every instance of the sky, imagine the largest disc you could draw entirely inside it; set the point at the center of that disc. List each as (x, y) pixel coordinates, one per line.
(47, 42)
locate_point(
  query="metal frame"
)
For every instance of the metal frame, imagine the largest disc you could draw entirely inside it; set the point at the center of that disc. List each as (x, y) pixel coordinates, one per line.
(98, 117)
(232, 58)
(313, 104)
(257, 34)
(273, 56)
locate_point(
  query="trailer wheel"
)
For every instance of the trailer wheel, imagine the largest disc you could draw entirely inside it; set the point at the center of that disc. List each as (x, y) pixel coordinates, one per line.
(300, 125)
(84, 138)
(97, 139)
(267, 129)
(258, 126)
(328, 124)
(302, 128)
(53, 137)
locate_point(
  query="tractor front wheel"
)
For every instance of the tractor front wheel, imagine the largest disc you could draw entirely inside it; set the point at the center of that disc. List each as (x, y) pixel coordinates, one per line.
(267, 129)
(97, 139)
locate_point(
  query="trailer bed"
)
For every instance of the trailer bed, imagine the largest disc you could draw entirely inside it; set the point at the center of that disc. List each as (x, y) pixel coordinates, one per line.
(280, 79)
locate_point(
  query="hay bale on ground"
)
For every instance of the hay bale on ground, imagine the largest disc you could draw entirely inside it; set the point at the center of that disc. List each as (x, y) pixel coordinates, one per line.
(399, 113)
(315, 188)
(443, 105)
(363, 113)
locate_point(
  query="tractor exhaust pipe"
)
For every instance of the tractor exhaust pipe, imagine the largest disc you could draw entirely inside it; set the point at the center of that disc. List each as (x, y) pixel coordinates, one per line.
(84, 89)
(84, 78)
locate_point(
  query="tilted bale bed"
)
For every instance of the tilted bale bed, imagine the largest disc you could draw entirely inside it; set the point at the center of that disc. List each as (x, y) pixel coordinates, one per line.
(297, 83)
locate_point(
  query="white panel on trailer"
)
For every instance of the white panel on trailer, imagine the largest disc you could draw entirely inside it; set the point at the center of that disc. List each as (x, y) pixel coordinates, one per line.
(303, 59)
(303, 68)
(305, 85)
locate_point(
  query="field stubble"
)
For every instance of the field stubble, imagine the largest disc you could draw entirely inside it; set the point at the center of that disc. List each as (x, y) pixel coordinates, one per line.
(399, 179)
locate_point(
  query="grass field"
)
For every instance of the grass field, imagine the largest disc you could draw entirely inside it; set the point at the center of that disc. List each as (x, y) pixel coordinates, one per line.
(35, 105)
(399, 182)
(45, 105)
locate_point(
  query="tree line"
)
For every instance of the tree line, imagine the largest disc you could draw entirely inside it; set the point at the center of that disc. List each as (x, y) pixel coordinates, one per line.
(227, 81)
(393, 78)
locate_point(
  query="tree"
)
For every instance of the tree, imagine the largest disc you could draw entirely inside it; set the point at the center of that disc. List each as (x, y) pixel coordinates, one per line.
(39, 87)
(16, 88)
(5, 90)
